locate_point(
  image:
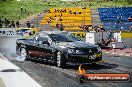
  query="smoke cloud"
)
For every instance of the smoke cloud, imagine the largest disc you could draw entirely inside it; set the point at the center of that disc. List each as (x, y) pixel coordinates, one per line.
(8, 47)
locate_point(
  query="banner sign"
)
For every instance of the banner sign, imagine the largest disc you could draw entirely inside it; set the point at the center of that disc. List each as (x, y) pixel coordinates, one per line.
(101, 77)
(7, 32)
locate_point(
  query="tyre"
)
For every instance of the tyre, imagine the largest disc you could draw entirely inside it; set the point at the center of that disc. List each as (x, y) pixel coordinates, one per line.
(23, 54)
(60, 60)
(80, 79)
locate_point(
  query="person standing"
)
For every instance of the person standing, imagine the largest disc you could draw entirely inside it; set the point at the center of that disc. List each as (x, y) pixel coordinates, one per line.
(0, 23)
(21, 10)
(61, 27)
(5, 22)
(12, 24)
(17, 24)
(28, 24)
(32, 24)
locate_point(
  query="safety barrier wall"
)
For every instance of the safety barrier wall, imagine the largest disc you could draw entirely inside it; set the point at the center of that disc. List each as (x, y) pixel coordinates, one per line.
(83, 34)
(26, 32)
(116, 18)
(126, 35)
(79, 34)
(12, 32)
(7, 32)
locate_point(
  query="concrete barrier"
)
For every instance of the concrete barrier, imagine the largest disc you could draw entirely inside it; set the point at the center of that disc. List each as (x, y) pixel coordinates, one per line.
(13, 76)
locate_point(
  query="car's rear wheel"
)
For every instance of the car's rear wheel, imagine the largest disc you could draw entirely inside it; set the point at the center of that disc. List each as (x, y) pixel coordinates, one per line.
(23, 54)
(60, 60)
(80, 79)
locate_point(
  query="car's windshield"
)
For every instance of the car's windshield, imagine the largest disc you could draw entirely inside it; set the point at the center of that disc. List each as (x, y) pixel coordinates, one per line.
(63, 38)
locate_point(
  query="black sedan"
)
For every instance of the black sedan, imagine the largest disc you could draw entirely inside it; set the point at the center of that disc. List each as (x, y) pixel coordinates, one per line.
(58, 47)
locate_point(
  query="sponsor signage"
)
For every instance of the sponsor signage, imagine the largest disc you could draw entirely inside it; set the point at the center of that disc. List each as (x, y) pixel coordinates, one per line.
(7, 32)
(101, 77)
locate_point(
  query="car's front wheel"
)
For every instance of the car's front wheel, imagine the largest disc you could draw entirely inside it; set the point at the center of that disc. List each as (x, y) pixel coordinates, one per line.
(60, 60)
(23, 54)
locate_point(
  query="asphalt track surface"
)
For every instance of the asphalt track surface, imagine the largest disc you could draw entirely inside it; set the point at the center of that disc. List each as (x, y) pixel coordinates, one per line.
(48, 75)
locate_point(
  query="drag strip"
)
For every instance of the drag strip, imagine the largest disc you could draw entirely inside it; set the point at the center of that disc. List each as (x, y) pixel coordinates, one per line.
(50, 75)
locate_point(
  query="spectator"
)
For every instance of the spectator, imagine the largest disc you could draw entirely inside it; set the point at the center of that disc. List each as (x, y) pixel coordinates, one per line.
(75, 13)
(102, 43)
(8, 23)
(21, 10)
(17, 24)
(5, 22)
(55, 10)
(0, 23)
(25, 10)
(49, 20)
(60, 10)
(57, 26)
(110, 34)
(102, 29)
(96, 28)
(70, 12)
(48, 11)
(32, 25)
(61, 27)
(65, 10)
(87, 28)
(28, 24)
(58, 18)
(80, 13)
(91, 29)
(12, 25)
(84, 28)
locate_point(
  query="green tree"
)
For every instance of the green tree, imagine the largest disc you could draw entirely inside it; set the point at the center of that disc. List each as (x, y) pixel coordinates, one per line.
(129, 1)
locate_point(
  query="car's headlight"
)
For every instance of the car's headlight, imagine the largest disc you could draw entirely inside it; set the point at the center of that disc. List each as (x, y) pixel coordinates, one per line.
(71, 50)
(99, 49)
(75, 51)
(78, 52)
